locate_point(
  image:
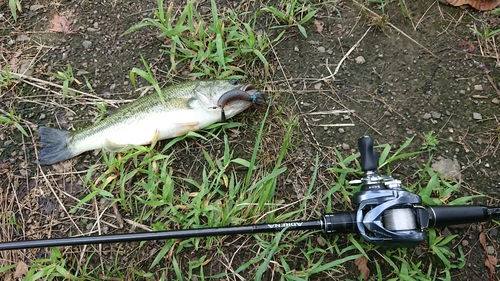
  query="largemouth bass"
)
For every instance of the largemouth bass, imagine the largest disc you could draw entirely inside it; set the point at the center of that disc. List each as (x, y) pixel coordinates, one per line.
(188, 107)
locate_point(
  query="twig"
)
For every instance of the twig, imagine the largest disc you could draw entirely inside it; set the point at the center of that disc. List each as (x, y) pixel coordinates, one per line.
(335, 125)
(27, 79)
(330, 112)
(344, 58)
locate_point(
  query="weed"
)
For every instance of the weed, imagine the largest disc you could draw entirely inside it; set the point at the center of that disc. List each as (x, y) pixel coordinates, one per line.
(15, 6)
(148, 76)
(6, 79)
(486, 34)
(430, 142)
(67, 77)
(13, 119)
(103, 112)
(438, 247)
(212, 45)
(50, 268)
(292, 13)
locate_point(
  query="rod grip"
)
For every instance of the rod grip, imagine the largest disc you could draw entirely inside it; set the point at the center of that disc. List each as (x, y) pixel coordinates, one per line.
(451, 215)
(344, 222)
(368, 156)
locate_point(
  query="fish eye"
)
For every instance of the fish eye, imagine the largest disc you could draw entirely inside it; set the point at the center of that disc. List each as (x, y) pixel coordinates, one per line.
(233, 82)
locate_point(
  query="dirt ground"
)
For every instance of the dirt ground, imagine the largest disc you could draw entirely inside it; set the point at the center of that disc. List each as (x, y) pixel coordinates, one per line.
(391, 78)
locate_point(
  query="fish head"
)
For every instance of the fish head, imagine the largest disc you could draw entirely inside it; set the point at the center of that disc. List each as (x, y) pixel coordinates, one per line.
(230, 96)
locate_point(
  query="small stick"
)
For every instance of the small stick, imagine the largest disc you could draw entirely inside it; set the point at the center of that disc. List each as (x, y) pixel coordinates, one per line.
(344, 57)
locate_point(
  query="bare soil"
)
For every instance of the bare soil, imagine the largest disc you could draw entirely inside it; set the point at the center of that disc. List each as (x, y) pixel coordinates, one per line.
(404, 76)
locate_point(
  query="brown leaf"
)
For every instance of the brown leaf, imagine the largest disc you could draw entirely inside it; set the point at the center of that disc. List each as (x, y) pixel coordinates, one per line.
(60, 24)
(466, 46)
(482, 240)
(21, 269)
(491, 263)
(482, 5)
(319, 25)
(361, 263)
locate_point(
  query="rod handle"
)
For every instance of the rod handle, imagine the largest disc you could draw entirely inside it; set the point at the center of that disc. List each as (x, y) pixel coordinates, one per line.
(450, 215)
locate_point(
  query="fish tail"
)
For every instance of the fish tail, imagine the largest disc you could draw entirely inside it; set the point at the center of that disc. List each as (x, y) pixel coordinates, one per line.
(55, 146)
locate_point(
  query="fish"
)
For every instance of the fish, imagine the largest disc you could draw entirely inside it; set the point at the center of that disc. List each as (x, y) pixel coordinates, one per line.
(184, 107)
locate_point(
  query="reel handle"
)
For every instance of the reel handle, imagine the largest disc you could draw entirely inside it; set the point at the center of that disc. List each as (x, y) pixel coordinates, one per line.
(369, 157)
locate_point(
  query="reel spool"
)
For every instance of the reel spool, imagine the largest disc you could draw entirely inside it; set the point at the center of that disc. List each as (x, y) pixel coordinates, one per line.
(399, 219)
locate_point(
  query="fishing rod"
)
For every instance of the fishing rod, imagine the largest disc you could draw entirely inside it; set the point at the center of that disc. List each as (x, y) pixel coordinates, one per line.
(386, 215)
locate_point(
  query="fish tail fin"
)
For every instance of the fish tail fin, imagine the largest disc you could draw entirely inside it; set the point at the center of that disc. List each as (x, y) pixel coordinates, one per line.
(55, 146)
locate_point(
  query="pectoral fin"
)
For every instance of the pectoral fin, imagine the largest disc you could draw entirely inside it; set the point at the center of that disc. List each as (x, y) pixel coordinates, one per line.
(113, 146)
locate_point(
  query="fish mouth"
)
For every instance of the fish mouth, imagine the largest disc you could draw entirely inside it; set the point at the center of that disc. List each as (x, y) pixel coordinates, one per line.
(248, 87)
(246, 93)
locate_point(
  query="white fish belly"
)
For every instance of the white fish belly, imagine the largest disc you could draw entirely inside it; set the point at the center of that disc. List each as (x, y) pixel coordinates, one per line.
(167, 125)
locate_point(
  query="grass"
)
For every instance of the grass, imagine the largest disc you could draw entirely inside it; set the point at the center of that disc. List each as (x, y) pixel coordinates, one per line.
(12, 119)
(212, 45)
(67, 78)
(208, 179)
(143, 184)
(15, 6)
(292, 13)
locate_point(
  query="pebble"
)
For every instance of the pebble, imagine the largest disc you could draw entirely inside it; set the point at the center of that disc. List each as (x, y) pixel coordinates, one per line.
(495, 101)
(86, 44)
(435, 115)
(419, 250)
(477, 116)
(478, 87)
(321, 49)
(35, 7)
(317, 86)
(360, 60)
(81, 72)
(490, 250)
(345, 146)
(494, 232)
(341, 130)
(22, 37)
(427, 116)
(465, 243)
(320, 241)
(447, 232)
(462, 92)
(447, 167)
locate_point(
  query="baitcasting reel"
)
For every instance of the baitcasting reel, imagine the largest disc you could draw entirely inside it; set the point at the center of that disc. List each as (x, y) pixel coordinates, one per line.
(389, 215)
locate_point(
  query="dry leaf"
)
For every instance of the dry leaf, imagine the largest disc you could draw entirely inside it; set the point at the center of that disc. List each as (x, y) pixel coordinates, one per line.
(466, 46)
(60, 24)
(21, 269)
(482, 240)
(481, 5)
(319, 25)
(361, 263)
(491, 263)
